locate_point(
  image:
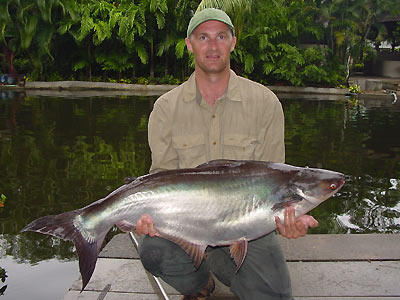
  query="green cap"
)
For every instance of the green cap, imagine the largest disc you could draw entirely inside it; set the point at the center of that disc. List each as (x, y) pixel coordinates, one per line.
(208, 14)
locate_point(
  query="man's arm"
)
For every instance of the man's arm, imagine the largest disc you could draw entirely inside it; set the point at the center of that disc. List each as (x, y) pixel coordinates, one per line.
(163, 155)
(271, 132)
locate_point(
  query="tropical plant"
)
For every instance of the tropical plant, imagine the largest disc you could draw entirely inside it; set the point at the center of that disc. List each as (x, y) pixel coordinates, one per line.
(56, 39)
(106, 20)
(28, 28)
(154, 12)
(348, 25)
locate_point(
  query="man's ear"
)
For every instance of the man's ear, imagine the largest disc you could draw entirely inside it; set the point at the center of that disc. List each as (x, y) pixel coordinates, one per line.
(233, 43)
(188, 44)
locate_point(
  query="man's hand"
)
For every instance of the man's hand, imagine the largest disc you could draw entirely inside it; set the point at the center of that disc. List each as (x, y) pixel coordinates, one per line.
(293, 228)
(145, 226)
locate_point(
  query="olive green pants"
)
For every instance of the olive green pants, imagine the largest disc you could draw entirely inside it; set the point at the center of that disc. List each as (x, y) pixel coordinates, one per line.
(263, 274)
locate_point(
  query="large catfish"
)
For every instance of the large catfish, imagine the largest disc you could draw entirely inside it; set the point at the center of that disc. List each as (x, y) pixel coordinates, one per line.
(223, 202)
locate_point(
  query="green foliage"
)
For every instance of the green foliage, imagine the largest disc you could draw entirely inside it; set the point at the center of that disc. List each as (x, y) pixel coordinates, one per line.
(125, 80)
(125, 38)
(355, 88)
(28, 27)
(289, 61)
(81, 64)
(2, 200)
(270, 51)
(143, 80)
(114, 61)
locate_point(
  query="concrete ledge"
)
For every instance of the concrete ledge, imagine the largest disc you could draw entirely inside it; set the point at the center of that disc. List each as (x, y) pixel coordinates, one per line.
(307, 90)
(82, 85)
(67, 93)
(86, 85)
(376, 84)
(374, 88)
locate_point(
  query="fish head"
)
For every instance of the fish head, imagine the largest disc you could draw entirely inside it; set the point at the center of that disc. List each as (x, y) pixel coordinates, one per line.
(316, 185)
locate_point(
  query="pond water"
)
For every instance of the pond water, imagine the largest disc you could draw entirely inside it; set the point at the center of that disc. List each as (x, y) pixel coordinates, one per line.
(59, 154)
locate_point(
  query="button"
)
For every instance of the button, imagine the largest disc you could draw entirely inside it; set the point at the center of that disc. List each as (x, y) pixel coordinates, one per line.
(213, 116)
(214, 143)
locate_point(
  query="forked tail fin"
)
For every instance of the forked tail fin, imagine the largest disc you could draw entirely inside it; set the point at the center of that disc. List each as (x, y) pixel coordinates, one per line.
(62, 226)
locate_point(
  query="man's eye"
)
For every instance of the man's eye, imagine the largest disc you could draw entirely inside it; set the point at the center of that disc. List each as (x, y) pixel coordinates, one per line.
(222, 37)
(202, 37)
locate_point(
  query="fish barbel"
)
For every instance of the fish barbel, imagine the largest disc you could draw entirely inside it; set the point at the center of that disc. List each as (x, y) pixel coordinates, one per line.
(222, 202)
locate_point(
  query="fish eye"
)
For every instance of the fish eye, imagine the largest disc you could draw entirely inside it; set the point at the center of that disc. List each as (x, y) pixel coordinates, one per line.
(333, 186)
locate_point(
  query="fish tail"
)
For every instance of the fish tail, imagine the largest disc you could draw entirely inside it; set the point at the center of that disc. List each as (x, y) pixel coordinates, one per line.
(67, 227)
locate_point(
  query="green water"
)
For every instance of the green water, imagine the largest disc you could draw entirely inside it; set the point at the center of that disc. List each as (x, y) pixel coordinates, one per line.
(59, 154)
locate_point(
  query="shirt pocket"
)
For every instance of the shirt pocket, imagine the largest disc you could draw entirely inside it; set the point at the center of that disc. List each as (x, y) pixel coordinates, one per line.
(191, 150)
(239, 146)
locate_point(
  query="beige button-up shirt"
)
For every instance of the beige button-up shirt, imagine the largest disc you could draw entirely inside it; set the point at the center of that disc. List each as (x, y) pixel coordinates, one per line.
(247, 122)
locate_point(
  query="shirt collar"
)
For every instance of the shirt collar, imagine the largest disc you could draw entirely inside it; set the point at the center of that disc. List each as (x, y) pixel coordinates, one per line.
(233, 94)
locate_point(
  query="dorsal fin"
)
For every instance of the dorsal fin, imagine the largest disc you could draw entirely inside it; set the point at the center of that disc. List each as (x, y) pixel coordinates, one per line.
(129, 179)
(220, 163)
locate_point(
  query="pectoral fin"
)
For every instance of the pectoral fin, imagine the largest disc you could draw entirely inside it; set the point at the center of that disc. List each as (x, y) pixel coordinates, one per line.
(290, 201)
(195, 251)
(238, 252)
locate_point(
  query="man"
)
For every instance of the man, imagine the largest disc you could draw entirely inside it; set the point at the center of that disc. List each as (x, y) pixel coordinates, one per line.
(217, 114)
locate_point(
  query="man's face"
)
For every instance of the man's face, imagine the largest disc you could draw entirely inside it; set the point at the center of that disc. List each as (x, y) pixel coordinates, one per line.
(211, 43)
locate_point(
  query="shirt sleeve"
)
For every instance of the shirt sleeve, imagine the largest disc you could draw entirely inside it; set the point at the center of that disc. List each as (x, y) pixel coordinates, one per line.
(163, 155)
(272, 133)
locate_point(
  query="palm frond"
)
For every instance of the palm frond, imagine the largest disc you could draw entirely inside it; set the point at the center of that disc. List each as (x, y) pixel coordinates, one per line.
(229, 6)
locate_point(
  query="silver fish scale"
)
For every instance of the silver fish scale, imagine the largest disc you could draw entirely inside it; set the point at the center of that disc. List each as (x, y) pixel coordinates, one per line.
(220, 207)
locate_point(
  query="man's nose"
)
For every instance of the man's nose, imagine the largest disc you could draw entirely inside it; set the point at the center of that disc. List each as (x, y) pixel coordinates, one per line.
(212, 43)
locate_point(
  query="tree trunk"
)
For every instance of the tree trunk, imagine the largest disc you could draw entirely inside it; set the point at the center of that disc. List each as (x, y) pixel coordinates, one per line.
(9, 57)
(166, 65)
(152, 59)
(89, 53)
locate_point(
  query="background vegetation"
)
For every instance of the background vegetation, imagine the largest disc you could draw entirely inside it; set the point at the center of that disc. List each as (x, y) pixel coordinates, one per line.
(143, 41)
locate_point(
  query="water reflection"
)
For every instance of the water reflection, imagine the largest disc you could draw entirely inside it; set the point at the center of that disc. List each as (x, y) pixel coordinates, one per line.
(3, 277)
(376, 207)
(32, 281)
(59, 154)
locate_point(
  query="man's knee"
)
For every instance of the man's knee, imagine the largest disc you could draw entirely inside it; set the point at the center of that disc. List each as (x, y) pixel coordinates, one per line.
(151, 254)
(167, 260)
(163, 257)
